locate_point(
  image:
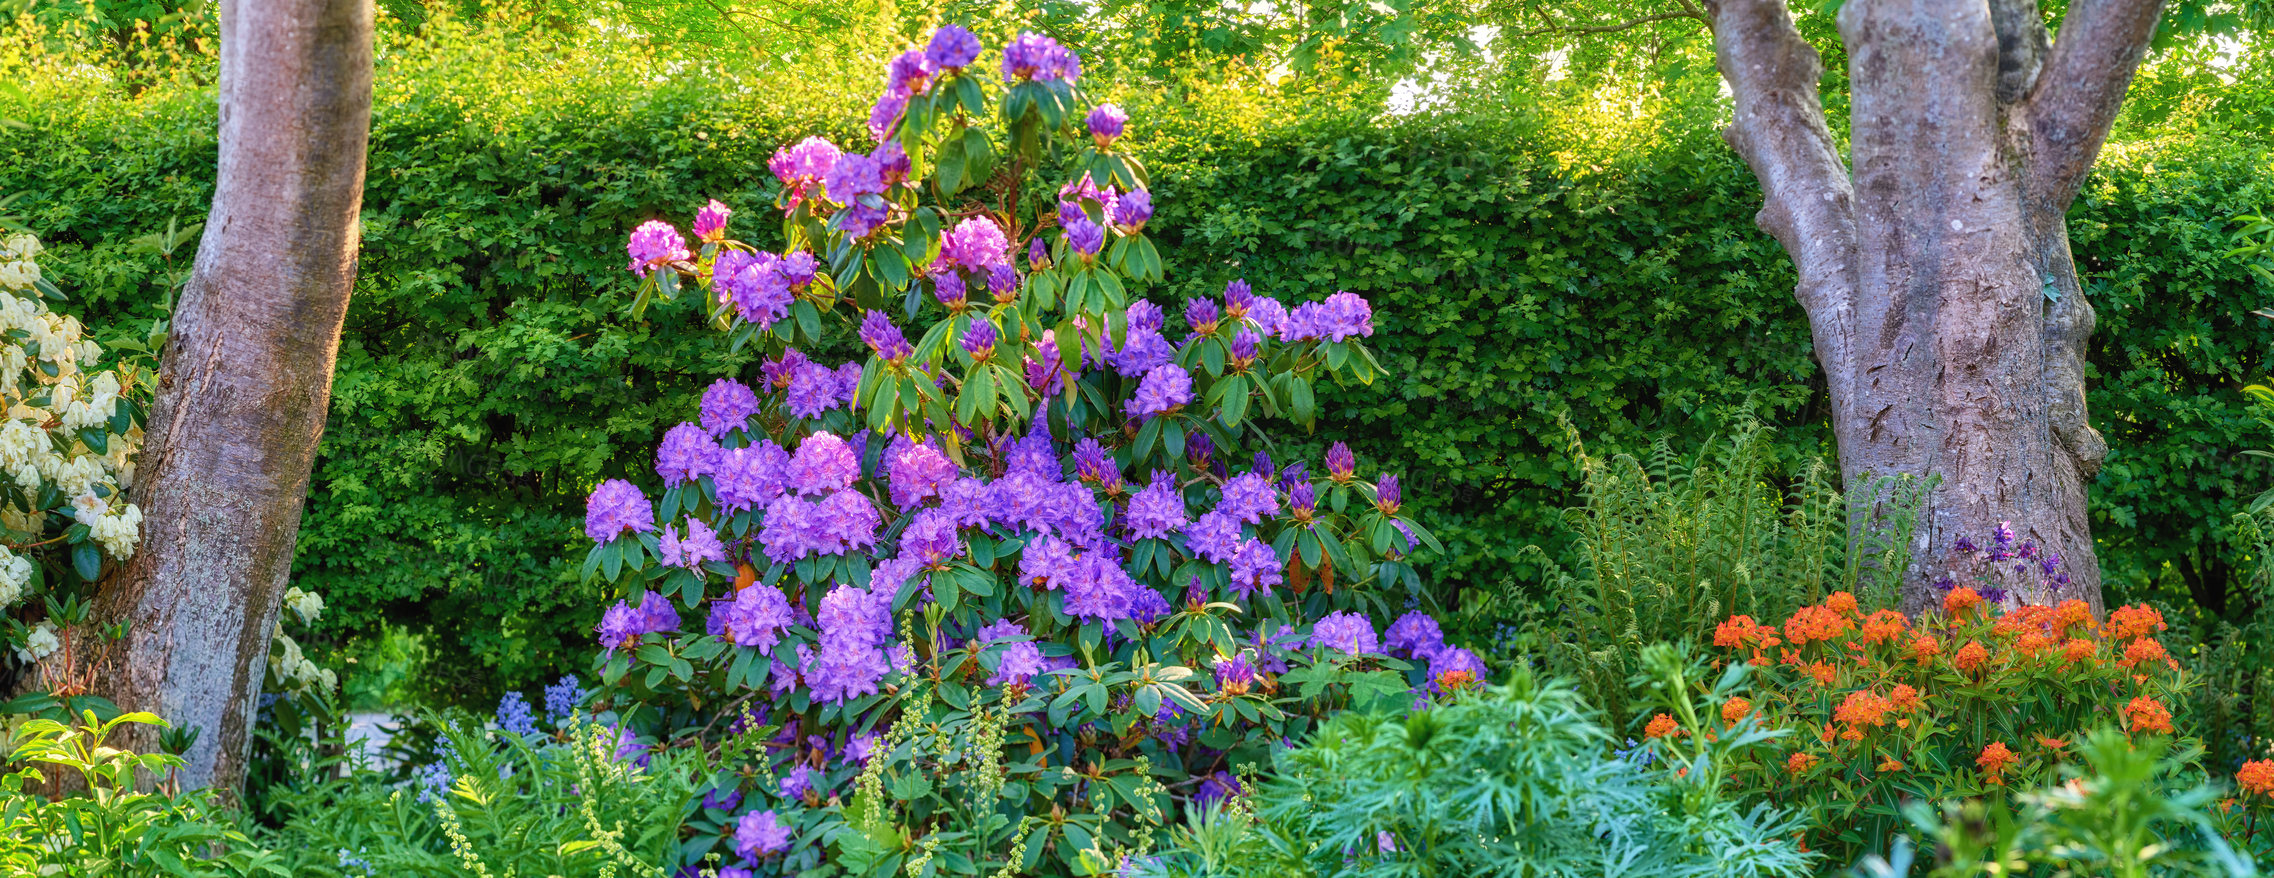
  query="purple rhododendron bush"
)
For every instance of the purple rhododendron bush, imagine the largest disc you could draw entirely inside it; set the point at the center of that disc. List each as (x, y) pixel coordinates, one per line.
(1024, 582)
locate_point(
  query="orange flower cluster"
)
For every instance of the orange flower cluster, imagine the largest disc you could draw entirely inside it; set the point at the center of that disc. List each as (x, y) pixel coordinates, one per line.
(1971, 656)
(1995, 759)
(1859, 710)
(1884, 626)
(1662, 726)
(1741, 632)
(1456, 680)
(1848, 674)
(2137, 620)
(2146, 714)
(1820, 624)
(1925, 647)
(2146, 651)
(2256, 778)
(2053, 623)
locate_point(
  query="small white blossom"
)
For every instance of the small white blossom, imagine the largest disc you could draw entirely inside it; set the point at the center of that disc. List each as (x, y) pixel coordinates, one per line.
(40, 644)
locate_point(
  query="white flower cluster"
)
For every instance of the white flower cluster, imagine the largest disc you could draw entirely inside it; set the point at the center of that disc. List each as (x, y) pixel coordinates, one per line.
(287, 667)
(15, 577)
(307, 605)
(47, 399)
(41, 644)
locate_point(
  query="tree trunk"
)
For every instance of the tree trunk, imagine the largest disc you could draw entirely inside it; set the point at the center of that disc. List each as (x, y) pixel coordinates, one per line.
(246, 378)
(1941, 296)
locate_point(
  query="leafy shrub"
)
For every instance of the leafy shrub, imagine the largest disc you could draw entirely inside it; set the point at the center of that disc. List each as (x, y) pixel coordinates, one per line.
(927, 568)
(1524, 269)
(1510, 780)
(67, 449)
(573, 800)
(118, 826)
(1664, 546)
(2125, 808)
(1961, 702)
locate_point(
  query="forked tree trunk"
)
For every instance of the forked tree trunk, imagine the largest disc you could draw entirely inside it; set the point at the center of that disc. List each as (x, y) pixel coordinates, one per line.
(1941, 296)
(246, 378)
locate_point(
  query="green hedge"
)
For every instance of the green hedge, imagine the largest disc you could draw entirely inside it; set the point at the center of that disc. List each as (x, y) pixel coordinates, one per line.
(488, 375)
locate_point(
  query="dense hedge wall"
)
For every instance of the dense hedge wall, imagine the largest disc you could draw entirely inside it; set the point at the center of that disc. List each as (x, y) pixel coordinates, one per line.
(488, 375)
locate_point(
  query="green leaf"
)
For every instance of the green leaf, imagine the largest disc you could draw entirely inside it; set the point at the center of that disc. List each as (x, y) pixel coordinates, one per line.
(87, 560)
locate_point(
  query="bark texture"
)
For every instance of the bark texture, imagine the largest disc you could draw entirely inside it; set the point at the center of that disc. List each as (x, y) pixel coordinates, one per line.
(1941, 295)
(246, 377)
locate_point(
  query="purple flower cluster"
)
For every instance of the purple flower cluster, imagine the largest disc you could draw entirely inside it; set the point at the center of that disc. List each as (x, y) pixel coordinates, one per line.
(513, 715)
(855, 626)
(1085, 237)
(655, 243)
(1132, 210)
(1156, 511)
(622, 624)
(916, 471)
(687, 454)
(759, 833)
(751, 476)
(710, 222)
(758, 284)
(796, 528)
(562, 697)
(1346, 632)
(1416, 635)
(1164, 389)
(1106, 121)
(802, 166)
(701, 544)
(979, 339)
(976, 244)
(755, 617)
(814, 389)
(1341, 316)
(615, 507)
(1036, 57)
(952, 48)
(1256, 568)
(1340, 462)
(727, 407)
(885, 339)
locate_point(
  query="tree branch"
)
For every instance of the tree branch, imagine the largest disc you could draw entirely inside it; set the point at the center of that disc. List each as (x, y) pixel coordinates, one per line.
(1808, 200)
(2075, 101)
(2021, 46)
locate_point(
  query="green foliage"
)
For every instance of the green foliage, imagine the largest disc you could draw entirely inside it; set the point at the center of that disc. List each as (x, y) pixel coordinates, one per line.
(1666, 549)
(2127, 812)
(1531, 256)
(117, 825)
(571, 803)
(1513, 780)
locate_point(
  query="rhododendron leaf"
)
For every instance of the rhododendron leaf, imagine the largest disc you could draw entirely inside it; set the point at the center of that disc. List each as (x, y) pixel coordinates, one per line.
(87, 560)
(612, 559)
(1235, 405)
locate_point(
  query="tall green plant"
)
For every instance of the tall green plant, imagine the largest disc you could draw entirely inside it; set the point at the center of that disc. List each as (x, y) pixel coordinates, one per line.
(1665, 546)
(1514, 780)
(129, 821)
